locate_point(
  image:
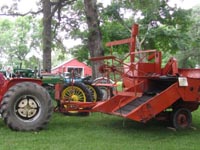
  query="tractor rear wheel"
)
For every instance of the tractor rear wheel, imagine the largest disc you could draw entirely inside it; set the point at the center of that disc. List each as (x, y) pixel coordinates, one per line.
(26, 106)
(77, 92)
(96, 92)
(107, 92)
(182, 118)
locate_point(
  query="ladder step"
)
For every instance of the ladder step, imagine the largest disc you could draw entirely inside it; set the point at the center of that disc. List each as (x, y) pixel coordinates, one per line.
(128, 94)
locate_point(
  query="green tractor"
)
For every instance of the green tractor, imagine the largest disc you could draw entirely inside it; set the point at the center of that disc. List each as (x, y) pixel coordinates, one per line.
(73, 88)
(18, 72)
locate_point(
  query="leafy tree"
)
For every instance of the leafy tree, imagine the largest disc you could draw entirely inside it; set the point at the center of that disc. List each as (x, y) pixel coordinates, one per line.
(82, 15)
(6, 37)
(47, 35)
(189, 56)
(17, 39)
(48, 9)
(94, 35)
(157, 20)
(161, 26)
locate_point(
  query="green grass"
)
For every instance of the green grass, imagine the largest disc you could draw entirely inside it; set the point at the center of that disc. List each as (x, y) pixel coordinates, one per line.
(101, 132)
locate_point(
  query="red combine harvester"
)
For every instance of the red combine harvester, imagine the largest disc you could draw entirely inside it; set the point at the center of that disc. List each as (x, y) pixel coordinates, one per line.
(149, 90)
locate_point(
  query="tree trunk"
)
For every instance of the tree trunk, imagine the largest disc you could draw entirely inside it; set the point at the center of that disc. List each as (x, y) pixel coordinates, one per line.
(46, 35)
(94, 37)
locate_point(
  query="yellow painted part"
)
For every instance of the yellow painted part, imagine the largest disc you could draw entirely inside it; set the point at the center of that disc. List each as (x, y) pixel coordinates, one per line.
(73, 93)
(93, 91)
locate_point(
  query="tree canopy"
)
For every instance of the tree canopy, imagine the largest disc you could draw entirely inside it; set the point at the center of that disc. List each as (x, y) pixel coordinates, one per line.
(170, 29)
(18, 39)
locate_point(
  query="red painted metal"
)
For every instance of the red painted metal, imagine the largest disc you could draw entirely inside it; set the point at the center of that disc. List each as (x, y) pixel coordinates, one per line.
(5, 84)
(75, 106)
(171, 67)
(149, 90)
(58, 89)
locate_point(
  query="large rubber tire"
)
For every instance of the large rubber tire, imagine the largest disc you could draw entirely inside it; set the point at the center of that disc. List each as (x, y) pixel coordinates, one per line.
(77, 91)
(182, 118)
(107, 92)
(26, 106)
(96, 92)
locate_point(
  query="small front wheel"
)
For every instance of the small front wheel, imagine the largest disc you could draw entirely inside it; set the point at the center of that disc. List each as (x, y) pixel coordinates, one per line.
(182, 118)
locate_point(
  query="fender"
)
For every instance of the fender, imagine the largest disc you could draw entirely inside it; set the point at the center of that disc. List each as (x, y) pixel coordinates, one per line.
(5, 84)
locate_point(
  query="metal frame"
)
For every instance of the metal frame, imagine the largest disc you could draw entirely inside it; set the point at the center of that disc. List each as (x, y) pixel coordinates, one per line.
(150, 91)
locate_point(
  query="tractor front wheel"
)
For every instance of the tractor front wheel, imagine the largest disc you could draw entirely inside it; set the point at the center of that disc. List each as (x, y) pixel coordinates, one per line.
(26, 106)
(182, 118)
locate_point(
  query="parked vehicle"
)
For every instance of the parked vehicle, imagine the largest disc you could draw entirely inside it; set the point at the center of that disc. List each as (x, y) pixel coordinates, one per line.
(24, 104)
(149, 90)
(11, 72)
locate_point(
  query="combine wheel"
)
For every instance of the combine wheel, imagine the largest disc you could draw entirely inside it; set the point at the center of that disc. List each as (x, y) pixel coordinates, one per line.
(26, 107)
(77, 92)
(182, 118)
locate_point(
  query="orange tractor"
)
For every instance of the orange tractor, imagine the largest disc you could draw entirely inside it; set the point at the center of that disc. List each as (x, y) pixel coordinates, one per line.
(25, 104)
(149, 90)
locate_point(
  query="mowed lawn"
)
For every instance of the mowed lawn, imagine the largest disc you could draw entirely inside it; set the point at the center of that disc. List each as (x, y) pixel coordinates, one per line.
(102, 132)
